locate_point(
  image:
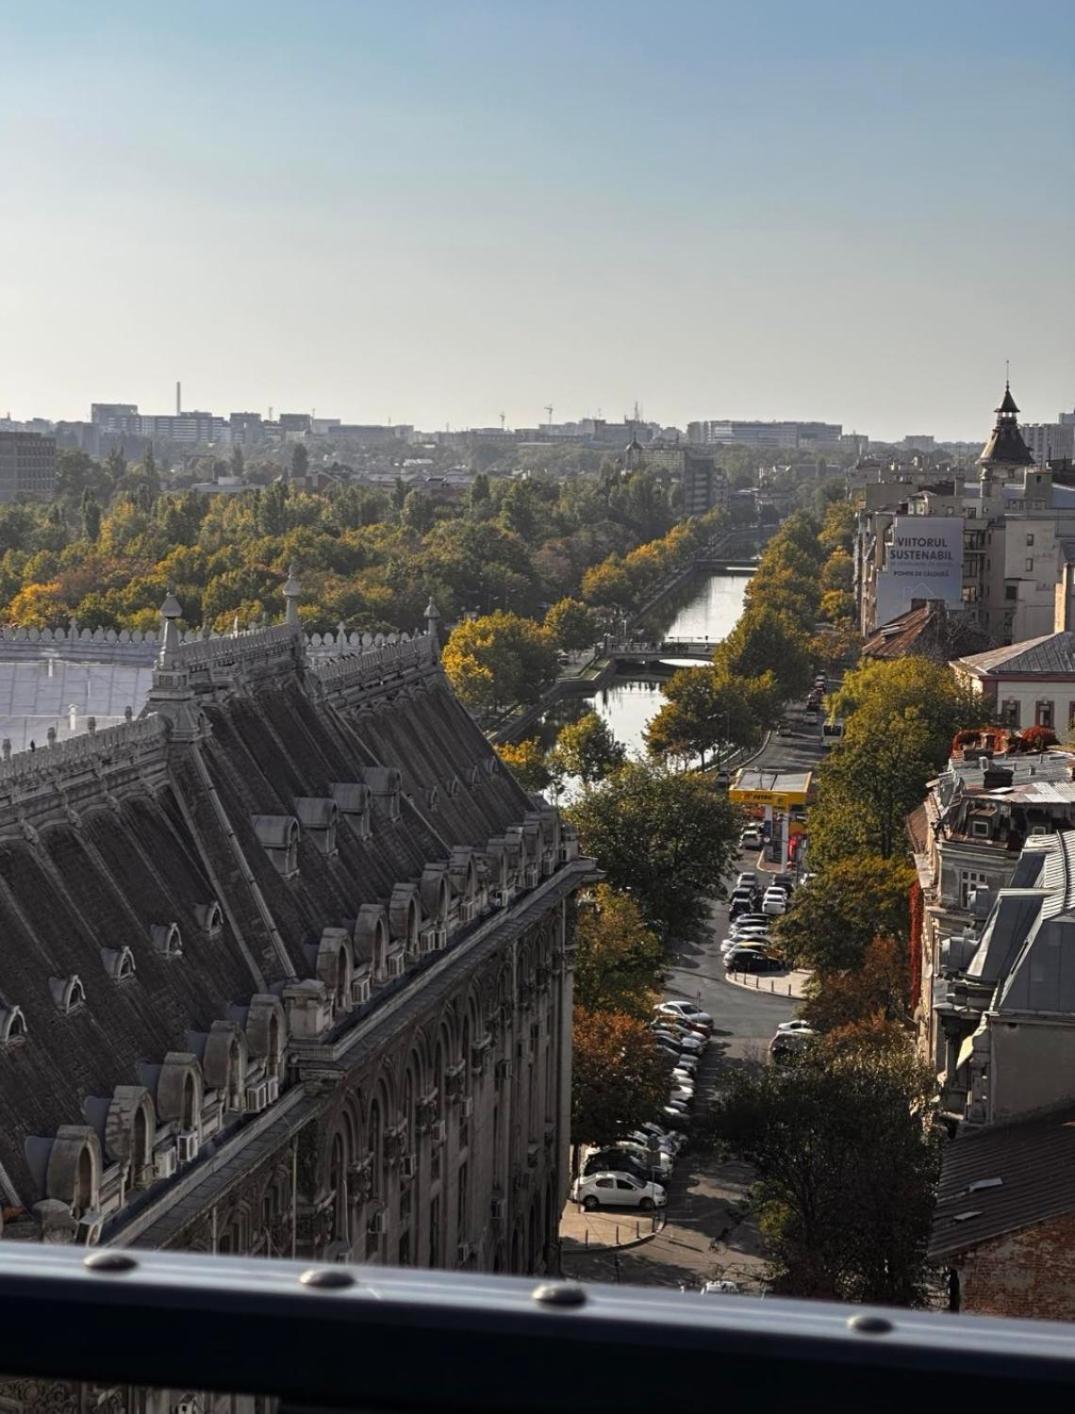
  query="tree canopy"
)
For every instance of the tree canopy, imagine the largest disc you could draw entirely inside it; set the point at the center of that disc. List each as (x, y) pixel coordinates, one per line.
(499, 659)
(619, 1076)
(666, 839)
(835, 915)
(618, 958)
(587, 749)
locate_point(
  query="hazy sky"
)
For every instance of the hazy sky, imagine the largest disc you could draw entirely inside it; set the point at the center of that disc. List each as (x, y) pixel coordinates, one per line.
(435, 211)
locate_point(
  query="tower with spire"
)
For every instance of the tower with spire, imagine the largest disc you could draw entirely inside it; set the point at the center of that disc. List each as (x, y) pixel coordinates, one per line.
(1005, 447)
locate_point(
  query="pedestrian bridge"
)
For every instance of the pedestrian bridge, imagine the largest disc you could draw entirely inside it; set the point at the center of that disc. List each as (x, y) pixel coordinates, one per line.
(700, 649)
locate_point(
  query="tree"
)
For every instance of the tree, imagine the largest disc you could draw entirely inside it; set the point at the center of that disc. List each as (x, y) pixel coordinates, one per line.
(300, 461)
(846, 1167)
(91, 516)
(571, 624)
(1038, 738)
(618, 959)
(710, 710)
(619, 1076)
(835, 916)
(527, 762)
(767, 641)
(499, 658)
(587, 749)
(238, 464)
(882, 690)
(417, 513)
(878, 988)
(664, 838)
(607, 585)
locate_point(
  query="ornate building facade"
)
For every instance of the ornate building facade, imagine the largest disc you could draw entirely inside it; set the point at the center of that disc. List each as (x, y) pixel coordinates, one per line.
(286, 969)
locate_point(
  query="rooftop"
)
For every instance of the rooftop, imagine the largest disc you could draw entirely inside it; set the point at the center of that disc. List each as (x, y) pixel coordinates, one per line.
(1050, 654)
(1003, 1179)
(780, 782)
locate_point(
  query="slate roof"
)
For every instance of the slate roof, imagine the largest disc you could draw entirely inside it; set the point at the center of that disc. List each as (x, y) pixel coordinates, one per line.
(1006, 444)
(105, 837)
(1034, 1161)
(36, 694)
(1050, 654)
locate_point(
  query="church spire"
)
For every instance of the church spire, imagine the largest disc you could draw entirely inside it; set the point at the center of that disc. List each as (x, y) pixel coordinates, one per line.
(1006, 446)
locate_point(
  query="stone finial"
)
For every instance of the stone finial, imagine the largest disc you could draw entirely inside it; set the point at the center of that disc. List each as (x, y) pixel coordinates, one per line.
(128, 714)
(51, 736)
(432, 620)
(292, 594)
(171, 612)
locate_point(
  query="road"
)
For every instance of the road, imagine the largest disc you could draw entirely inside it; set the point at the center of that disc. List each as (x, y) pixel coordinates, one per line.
(709, 1232)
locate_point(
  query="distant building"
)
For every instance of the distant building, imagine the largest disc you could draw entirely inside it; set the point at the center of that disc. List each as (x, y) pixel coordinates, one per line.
(791, 435)
(291, 422)
(247, 429)
(703, 484)
(1049, 441)
(123, 418)
(183, 428)
(27, 465)
(918, 442)
(1028, 684)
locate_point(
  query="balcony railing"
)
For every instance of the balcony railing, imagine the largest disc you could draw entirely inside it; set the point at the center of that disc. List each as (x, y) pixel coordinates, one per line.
(373, 1338)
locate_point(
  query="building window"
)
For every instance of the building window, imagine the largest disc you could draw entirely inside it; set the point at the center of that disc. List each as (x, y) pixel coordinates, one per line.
(1029, 563)
(969, 880)
(1009, 712)
(1030, 540)
(970, 594)
(1043, 714)
(1011, 591)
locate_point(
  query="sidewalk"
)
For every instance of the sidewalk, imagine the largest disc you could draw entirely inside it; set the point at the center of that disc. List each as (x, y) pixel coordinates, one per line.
(604, 1230)
(789, 984)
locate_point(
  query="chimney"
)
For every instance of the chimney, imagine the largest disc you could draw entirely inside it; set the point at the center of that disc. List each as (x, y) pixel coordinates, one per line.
(178, 397)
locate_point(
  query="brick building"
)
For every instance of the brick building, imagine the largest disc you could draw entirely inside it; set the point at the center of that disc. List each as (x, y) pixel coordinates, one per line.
(27, 465)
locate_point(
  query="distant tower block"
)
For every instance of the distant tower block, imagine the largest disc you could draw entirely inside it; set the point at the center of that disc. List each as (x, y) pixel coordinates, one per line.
(178, 397)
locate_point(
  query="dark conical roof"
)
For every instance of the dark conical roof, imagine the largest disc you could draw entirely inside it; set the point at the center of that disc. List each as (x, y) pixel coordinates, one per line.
(1006, 446)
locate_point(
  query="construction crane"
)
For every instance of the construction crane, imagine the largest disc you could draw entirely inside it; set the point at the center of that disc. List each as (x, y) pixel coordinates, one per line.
(548, 409)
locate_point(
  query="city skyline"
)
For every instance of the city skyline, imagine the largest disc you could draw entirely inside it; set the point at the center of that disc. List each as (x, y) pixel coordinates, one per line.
(444, 213)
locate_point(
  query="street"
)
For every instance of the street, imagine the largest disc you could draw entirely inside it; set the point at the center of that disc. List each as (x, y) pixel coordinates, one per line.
(709, 1232)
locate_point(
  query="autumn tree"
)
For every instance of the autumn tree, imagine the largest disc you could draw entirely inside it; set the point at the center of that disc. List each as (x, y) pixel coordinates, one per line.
(587, 749)
(663, 837)
(528, 763)
(619, 1076)
(878, 987)
(834, 916)
(764, 641)
(710, 710)
(498, 659)
(618, 959)
(571, 624)
(845, 1167)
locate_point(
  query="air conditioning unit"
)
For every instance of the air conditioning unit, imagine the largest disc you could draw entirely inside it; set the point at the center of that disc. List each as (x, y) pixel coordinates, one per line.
(463, 1253)
(438, 1131)
(498, 1209)
(396, 964)
(360, 991)
(256, 1097)
(981, 829)
(466, 1107)
(503, 1069)
(408, 1165)
(186, 1146)
(376, 1226)
(272, 1090)
(164, 1162)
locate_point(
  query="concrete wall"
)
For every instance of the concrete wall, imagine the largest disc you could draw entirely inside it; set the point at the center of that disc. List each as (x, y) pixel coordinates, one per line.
(1032, 1066)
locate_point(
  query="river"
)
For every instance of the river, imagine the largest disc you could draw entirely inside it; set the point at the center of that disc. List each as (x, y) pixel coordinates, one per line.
(706, 610)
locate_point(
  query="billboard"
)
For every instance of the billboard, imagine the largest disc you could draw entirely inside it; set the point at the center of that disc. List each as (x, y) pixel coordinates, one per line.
(923, 560)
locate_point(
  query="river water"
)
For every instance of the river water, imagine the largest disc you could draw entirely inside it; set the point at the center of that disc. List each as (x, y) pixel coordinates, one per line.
(706, 610)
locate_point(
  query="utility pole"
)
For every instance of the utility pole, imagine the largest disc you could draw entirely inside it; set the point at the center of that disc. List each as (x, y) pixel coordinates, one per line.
(501, 422)
(548, 409)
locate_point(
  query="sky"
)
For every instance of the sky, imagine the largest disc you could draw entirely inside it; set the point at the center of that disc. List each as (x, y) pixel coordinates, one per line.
(438, 211)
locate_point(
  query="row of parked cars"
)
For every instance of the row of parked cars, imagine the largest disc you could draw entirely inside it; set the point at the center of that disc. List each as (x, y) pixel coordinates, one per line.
(633, 1171)
(748, 946)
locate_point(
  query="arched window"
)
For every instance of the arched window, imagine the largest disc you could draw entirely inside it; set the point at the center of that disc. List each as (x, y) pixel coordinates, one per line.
(272, 1058)
(139, 1142)
(338, 1183)
(235, 1076)
(189, 1116)
(375, 1139)
(84, 1183)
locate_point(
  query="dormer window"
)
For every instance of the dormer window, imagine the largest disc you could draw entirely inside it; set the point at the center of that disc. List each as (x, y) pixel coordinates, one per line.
(317, 815)
(118, 963)
(68, 993)
(12, 1025)
(279, 837)
(166, 939)
(209, 918)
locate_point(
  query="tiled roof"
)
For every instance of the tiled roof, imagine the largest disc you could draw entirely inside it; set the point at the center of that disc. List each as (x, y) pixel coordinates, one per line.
(1003, 1179)
(1051, 653)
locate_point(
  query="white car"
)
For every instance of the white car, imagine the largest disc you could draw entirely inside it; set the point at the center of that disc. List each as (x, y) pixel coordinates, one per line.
(746, 880)
(796, 1024)
(683, 1011)
(616, 1190)
(751, 838)
(775, 902)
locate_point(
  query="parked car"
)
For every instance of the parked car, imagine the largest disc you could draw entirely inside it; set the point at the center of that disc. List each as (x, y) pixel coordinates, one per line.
(795, 1024)
(640, 1153)
(752, 960)
(775, 902)
(746, 880)
(686, 1011)
(754, 917)
(751, 838)
(720, 1288)
(616, 1190)
(651, 1126)
(677, 1118)
(687, 1039)
(676, 1054)
(722, 780)
(609, 1161)
(750, 930)
(789, 1043)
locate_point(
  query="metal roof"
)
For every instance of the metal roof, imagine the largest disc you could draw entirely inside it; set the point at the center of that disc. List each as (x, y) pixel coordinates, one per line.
(1051, 653)
(38, 693)
(1003, 1179)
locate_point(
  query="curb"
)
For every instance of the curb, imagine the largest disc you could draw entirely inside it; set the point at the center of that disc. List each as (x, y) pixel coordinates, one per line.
(599, 1249)
(737, 979)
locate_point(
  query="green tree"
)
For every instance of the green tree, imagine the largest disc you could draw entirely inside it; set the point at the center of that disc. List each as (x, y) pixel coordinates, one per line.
(619, 1076)
(846, 1169)
(618, 959)
(417, 513)
(835, 915)
(498, 659)
(91, 516)
(300, 460)
(764, 641)
(587, 749)
(708, 710)
(665, 838)
(883, 690)
(238, 464)
(571, 624)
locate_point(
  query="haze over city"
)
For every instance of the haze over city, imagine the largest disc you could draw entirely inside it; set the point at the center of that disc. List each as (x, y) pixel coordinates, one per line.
(438, 214)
